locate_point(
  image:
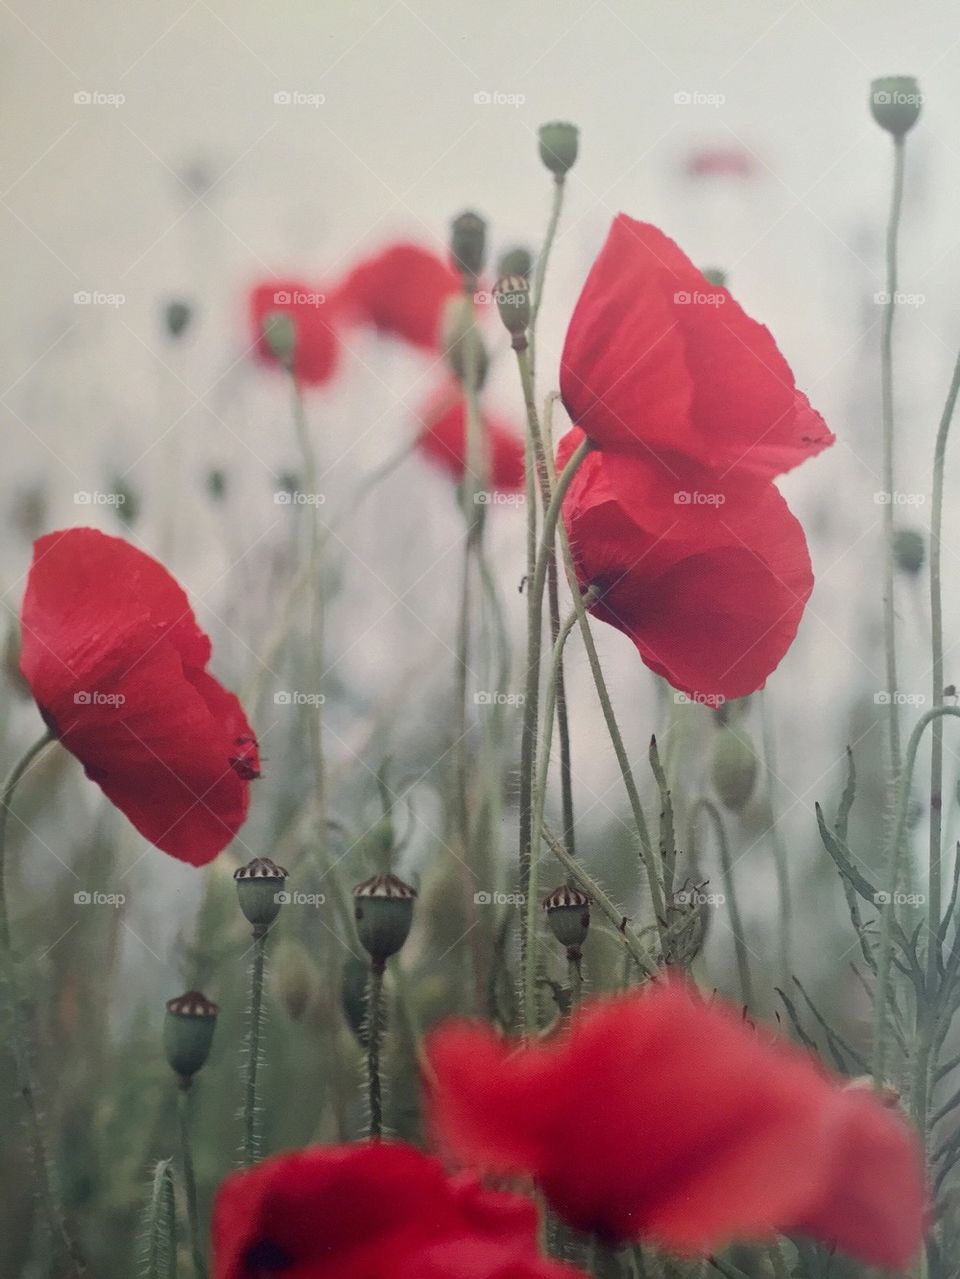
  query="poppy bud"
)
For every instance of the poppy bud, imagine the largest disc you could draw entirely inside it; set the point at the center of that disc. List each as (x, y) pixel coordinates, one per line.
(568, 914)
(459, 330)
(188, 1033)
(559, 142)
(217, 483)
(260, 892)
(468, 243)
(518, 261)
(280, 335)
(714, 275)
(383, 909)
(177, 316)
(909, 550)
(734, 769)
(512, 293)
(895, 102)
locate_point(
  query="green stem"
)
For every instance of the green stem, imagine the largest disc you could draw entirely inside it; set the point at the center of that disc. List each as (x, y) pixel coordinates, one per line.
(780, 858)
(160, 1224)
(21, 1015)
(253, 1136)
(190, 1181)
(887, 913)
(374, 1045)
(736, 920)
(540, 270)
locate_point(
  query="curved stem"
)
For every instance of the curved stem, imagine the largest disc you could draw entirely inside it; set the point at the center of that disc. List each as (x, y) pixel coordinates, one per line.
(374, 1044)
(884, 949)
(540, 270)
(190, 1182)
(707, 806)
(253, 1137)
(20, 1031)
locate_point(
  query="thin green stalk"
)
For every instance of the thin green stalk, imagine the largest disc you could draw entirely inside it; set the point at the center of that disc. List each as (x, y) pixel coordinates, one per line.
(252, 1134)
(887, 913)
(887, 411)
(374, 1045)
(21, 1017)
(160, 1224)
(736, 919)
(780, 859)
(540, 270)
(190, 1181)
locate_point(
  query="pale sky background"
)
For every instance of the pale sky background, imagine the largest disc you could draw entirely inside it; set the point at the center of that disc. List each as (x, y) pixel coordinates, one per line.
(385, 137)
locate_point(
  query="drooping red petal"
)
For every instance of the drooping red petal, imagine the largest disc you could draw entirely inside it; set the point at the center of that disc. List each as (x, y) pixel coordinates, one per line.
(317, 352)
(401, 291)
(443, 439)
(115, 659)
(708, 577)
(654, 1115)
(658, 358)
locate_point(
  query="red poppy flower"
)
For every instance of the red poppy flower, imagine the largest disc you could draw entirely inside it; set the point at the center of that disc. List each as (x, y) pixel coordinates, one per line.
(401, 291)
(443, 439)
(657, 358)
(723, 162)
(709, 577)
(655, 1115)
(369, 1210)
(317, 351)
(115, 659)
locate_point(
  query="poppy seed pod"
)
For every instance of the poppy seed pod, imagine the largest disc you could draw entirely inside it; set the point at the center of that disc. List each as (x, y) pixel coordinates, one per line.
(734, 769)
(895, 102)
(518, 261)
(512, 293)
(280, 335)
(188, 1033)
(559, 143)
(383, 909)
(177, 316)
(909, 550)
(568, 914)
(260, 892)
(468, 243)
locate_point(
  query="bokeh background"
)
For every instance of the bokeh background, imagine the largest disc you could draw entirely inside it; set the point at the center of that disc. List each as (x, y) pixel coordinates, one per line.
(187, 150)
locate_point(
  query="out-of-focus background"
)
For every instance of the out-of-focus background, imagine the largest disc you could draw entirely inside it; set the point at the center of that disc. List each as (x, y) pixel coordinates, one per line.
(185, 150)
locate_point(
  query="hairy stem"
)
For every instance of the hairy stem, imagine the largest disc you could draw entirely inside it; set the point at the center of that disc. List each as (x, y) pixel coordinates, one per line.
(252, 1134)
(190, 1181)
(374, 1046)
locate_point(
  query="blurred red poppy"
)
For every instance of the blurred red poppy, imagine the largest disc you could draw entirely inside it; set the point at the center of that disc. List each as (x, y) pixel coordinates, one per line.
(401, 292)
(369, 1210)
(721, 162)
(658, 358)
(655, 1115)
(115, 659)
(709, 577)
(317, 351)
(443, 439)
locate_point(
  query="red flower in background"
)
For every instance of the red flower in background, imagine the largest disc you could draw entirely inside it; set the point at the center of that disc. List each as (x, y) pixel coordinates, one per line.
(655, 1115)
(721, 162)
(117, 664)
(369, 1210)
(401, 292)
(317, 351)
(709, 577)
(443, 439)
(657, 358)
